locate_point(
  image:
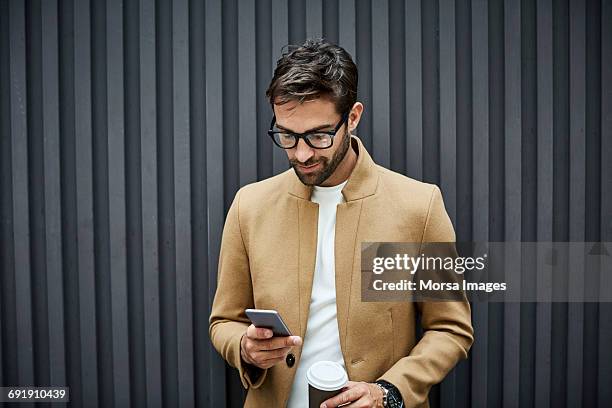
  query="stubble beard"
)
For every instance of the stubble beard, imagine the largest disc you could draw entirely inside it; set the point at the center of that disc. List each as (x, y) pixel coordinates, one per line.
(329, 166)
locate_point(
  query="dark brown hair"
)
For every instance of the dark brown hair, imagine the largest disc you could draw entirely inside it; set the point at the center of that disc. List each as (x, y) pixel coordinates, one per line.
(313, 69)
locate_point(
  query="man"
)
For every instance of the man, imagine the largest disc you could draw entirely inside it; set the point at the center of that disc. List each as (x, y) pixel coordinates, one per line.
(292, 243)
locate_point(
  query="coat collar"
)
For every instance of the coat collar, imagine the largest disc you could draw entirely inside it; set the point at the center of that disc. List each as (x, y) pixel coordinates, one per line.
(362, 182)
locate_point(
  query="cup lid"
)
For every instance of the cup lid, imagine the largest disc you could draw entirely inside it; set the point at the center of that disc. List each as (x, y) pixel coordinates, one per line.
(327, 376)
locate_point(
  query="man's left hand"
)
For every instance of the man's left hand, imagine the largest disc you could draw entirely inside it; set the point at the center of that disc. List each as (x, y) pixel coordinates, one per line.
(357, 395)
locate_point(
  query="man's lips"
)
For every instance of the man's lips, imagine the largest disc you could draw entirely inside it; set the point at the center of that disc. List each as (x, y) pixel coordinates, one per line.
(308, 169)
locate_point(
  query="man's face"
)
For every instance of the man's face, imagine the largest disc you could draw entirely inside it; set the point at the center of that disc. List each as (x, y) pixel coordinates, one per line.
(313, 166)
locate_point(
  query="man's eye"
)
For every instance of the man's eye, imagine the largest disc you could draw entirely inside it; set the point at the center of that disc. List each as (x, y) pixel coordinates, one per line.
(285, 136)
(285, 139)
(319, 136)
(320, 140)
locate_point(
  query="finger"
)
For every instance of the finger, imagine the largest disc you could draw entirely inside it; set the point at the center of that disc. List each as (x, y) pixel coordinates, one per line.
(276, 343)
(270, 363)
(351, 384)
(264, 360)
(350, 395)
(281, 342)
(262, 356)
(258, 332)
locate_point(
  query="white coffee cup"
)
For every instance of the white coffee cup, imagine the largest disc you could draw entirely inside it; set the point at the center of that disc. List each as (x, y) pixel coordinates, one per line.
(325, 380)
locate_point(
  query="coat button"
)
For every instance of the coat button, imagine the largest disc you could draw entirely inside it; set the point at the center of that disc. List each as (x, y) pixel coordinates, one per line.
(290, 360)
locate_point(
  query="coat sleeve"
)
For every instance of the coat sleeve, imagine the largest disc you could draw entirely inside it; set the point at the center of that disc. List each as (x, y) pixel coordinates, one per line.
(447, 327)
(228, 322)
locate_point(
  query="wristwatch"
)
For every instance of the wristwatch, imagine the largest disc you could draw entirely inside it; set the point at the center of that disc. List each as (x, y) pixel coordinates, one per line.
(385, 392)
(391, 395)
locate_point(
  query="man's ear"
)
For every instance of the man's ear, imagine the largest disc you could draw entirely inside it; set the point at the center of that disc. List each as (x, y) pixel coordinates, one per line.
(355, 116)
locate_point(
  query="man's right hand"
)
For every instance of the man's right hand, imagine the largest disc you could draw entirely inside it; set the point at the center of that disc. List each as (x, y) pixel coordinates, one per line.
(258, 347)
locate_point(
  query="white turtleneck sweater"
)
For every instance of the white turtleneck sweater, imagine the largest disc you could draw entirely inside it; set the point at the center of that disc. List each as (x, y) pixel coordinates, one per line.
(322, 340)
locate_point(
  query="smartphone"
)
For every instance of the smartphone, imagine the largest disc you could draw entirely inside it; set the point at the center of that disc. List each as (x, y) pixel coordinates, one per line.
(269, 319)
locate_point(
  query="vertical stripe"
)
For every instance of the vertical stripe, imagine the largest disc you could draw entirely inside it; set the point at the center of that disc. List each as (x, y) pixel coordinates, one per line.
(182, 206)
(263, 73)
(231, 146)
(150, 212)
(1, 314)
(512, 116)
(84, 200)
(6, 205)
(231, 92)
(448, 106)
(36, 195)
(331, 21)
(448, 139)
(133, 204)
(577, 96)
(480, 171)
(529, 142)
(6, 237)
(1, 336)
(347, 26)
(53, 228)
(197, 122)
(592, 199)
(464, 216)
(495, 334)
(68, 198)
(314, 18)
(605, 309)
(561, 184)
(431, 91)
(381, 143)
(117, 197)
(280, 38)
(167, 232)
(214, 140)
(414, 90)
(101, 203)
(4, 189)
(363, 60)
(529, 192)
(397, 87)
(512, 205)
(247, 101)
(20, 172)
(480, 118)
(545, 193)
(577, 118)
(214, 169)
(296, 21)
(606, 120)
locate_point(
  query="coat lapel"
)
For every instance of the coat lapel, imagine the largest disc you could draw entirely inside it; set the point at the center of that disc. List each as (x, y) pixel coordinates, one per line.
(362, 183)
(308, 222)
(347, 223)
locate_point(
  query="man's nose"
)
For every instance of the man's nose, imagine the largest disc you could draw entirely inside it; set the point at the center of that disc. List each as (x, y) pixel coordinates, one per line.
(303, 152)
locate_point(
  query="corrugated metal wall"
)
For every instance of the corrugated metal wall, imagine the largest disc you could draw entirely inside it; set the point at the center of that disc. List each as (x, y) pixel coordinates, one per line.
(127, 126)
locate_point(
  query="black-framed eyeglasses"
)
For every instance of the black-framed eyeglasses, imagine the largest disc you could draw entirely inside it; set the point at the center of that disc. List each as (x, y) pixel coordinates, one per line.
(320, 139)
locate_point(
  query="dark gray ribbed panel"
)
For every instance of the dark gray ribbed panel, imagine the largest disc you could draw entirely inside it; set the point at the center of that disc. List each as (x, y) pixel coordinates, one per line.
(126, 127)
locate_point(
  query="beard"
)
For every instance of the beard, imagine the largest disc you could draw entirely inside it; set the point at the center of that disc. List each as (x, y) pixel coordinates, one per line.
(328, 165)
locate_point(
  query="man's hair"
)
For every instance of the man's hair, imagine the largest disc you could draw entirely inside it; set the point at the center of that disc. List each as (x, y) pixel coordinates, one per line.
(316, 68)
